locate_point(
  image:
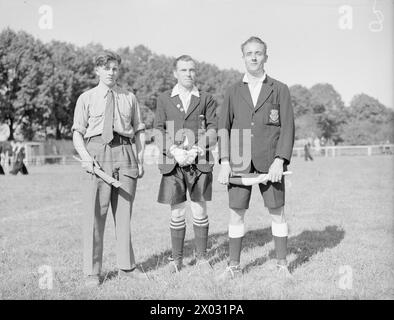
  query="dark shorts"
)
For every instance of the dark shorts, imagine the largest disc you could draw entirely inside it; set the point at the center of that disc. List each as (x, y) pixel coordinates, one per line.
(174, 185)
(273, 194)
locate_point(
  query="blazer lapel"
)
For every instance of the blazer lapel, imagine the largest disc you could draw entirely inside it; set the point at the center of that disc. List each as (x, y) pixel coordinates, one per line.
(194, 102)
(245, 93)
(177, 103)
(265, 92)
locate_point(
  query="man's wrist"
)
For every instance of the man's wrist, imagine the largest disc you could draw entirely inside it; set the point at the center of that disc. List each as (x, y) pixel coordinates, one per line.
(86, 157)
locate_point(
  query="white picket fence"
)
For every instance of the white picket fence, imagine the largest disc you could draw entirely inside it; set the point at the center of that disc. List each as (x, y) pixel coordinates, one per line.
(152, 153)
(335, 151)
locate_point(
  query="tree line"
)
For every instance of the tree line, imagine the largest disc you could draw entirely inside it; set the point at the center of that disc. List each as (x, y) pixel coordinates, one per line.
(40, 83)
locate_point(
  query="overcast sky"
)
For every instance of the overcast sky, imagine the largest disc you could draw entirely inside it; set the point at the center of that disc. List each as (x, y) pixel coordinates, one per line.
(306, 40)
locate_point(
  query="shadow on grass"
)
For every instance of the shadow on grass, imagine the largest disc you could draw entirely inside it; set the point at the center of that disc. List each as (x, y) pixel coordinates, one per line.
(308, 243)
(217, 248)
(305, 245)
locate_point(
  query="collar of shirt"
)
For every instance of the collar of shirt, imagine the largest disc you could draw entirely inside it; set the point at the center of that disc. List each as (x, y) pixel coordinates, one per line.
(246, 78)
(255, 85)
(103, 90)
(176, 91)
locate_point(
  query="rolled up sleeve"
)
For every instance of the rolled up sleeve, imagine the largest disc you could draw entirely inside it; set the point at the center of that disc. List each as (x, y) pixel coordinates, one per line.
(138, 124)
(80, 122)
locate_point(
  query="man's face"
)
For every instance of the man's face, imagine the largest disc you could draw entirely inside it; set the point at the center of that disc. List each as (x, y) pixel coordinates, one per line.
(108, 73)
(185, 73)
(254, 57)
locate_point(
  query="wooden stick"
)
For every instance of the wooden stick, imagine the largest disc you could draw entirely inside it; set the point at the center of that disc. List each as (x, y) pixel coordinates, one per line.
(248, 179)
(100, 173)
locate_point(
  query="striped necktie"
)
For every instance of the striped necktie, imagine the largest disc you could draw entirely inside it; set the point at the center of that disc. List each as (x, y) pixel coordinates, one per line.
(108, 134)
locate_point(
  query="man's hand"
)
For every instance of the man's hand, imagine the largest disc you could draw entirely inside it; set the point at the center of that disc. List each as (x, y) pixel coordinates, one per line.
(179, 154)
(192, 154)
(275, 171)
(88, 163)
(224, 173)
(191, 157)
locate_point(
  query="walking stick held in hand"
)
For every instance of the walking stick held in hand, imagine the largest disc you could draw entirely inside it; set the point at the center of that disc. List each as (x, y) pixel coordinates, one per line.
(249, 179)
(100, 173)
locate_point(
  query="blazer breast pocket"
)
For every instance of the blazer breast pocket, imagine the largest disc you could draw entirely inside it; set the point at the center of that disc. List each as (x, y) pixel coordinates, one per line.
(273, 115)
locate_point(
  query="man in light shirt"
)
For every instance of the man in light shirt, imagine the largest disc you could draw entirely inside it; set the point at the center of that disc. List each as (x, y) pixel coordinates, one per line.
(108, 118)
(186, 127)
(259, 109)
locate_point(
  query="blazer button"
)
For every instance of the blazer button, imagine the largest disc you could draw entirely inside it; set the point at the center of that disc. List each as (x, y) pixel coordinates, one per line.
(252, 123)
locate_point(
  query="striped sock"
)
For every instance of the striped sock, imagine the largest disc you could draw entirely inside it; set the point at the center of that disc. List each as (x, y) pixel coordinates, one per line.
(178, 231)
(201, 227)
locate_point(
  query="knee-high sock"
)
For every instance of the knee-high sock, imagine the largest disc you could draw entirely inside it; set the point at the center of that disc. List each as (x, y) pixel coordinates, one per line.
(201, 227)
(178, 231)
(280, 233)
(236, 234)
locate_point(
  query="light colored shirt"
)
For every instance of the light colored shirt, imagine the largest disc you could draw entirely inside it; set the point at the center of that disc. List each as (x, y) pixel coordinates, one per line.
(254, 85)
(90, 109)
(185, 95)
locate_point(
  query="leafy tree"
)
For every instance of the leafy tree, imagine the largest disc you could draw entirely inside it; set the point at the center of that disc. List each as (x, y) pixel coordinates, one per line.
(325, 98)
(72, 73)
(328, 108)
(306, 126)
(22, 69)
(365, 132)
(40, 84)
(369, 122)
(364, 107)
(301, 100)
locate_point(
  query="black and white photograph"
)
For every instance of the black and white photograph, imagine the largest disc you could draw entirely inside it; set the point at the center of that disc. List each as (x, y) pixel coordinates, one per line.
(215, 151)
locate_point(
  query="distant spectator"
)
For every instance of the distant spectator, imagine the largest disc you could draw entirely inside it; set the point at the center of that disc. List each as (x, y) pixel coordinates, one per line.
(19, 156)
(2, 159)
(387, 147)
(307, 152)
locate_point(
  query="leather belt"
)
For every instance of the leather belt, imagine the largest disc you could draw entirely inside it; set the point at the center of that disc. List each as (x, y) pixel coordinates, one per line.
(117, 140)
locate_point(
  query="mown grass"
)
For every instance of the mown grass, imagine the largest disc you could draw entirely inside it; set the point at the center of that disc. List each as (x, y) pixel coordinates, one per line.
(340, 212)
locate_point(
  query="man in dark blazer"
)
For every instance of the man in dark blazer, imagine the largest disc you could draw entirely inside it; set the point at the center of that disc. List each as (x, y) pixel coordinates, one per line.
(256, 135)
(186, 129)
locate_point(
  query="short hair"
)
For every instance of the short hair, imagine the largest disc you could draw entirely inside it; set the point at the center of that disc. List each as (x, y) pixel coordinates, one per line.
(106, 56)
(183, 57)
(254, 39)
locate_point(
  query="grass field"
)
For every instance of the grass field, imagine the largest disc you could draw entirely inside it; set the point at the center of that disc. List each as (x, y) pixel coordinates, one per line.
(340, 212)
